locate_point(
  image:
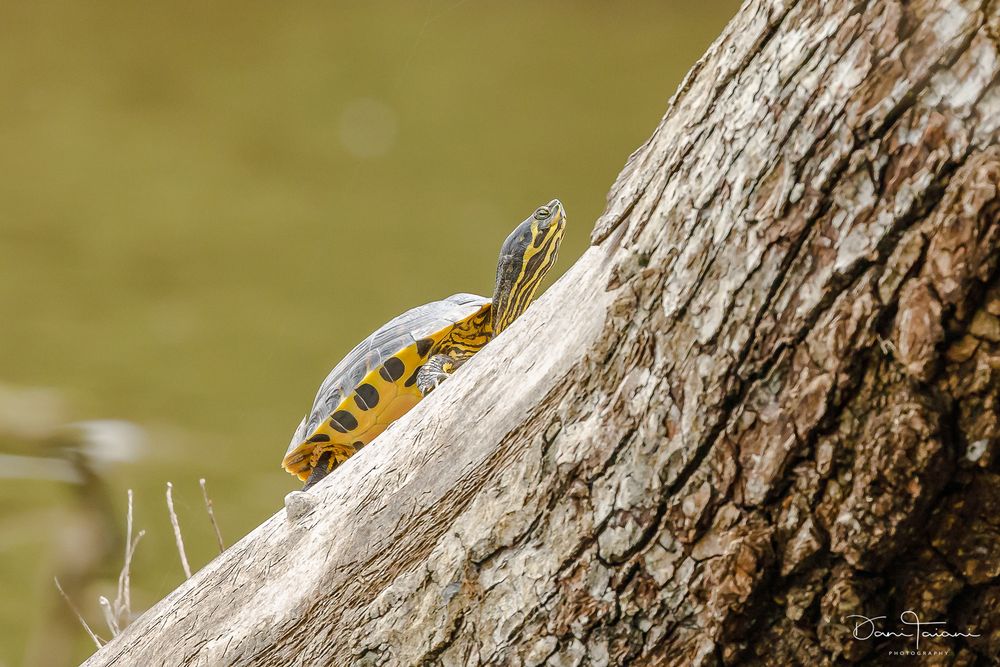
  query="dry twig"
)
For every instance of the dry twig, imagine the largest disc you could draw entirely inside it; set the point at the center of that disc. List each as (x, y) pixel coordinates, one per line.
(97, 640)
(177, 530)
(109, 616)
(211, 514)
(121, 609)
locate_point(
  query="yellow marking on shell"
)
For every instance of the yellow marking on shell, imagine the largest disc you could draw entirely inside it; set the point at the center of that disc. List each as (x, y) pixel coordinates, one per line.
(395, 400)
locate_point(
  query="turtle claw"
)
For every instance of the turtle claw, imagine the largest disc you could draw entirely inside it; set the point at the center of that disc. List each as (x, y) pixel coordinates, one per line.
(434, 372)
(428, 382)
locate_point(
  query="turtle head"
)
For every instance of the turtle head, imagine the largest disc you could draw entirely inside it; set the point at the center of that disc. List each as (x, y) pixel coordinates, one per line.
(525, 257)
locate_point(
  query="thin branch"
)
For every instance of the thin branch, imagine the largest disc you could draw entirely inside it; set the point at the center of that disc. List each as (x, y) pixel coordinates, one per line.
(122, 598)
(97, 640)
(211, 514)
(109, 616)
(122, 607)
(177, 530)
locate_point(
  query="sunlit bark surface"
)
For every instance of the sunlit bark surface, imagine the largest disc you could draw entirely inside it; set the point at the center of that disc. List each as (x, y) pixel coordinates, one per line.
(765, 400)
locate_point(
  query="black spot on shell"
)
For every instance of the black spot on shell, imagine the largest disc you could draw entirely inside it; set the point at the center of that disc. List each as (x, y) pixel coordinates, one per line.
(343, 421)
(392, 369)
(319, 437)
(366, 396)
(358, 445)
(410, 381)
(424, 346)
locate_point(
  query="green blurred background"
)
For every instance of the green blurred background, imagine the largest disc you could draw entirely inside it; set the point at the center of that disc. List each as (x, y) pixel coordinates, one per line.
(188, 192)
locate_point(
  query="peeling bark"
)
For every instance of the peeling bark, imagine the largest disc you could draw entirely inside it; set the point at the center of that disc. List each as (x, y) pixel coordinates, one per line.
(765, 400)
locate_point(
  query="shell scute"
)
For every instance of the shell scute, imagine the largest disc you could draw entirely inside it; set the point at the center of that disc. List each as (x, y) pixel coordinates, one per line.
(366, 390)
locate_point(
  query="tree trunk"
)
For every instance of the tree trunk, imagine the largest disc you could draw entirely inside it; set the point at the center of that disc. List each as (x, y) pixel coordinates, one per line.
(764, 400)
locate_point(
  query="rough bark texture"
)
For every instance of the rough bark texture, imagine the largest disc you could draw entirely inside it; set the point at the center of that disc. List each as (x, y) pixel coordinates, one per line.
(766, 399)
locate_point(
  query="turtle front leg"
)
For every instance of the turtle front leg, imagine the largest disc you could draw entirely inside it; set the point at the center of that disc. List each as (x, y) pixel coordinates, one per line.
(436, 370)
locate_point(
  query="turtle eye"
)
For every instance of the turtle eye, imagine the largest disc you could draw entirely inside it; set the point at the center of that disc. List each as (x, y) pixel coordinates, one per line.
(542, 213)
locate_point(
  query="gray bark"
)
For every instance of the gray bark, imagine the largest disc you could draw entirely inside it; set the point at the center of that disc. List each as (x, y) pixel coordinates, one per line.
(765, 399)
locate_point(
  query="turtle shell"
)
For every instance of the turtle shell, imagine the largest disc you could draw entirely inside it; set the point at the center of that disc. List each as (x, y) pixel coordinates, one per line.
(375, 384)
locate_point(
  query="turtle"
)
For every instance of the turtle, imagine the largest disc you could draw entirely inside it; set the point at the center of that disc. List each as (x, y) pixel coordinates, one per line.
(394, 368)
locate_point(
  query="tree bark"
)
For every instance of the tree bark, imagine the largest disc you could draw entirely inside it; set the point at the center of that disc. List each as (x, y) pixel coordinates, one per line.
(764, 400)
